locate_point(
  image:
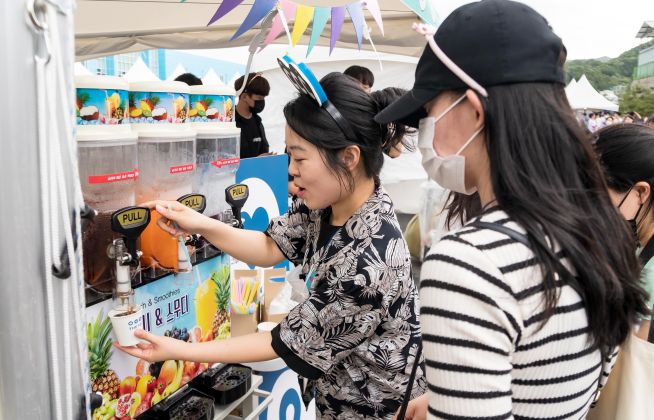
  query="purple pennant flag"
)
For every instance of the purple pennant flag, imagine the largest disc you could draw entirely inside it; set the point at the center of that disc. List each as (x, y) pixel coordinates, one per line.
(338, 16)
(259, 10)
(356, 13)
(225, 7)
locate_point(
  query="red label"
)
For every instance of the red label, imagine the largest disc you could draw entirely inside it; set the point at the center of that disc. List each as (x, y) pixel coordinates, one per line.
(106, 178)
(224, 162)
(182, 168)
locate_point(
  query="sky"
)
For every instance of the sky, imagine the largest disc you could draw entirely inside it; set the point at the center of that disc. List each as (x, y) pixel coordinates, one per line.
(589, 28)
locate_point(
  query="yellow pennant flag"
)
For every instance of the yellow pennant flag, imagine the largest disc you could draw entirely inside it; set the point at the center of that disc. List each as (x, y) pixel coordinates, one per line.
(303, 16)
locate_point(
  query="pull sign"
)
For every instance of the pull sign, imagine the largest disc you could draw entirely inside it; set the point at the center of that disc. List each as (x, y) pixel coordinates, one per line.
(237, 192)
(197, 202)
(130, 221)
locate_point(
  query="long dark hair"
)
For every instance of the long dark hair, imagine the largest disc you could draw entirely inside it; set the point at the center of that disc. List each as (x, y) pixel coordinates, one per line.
(545, 176)
(398, 132)
(626, 152)
(316, 126)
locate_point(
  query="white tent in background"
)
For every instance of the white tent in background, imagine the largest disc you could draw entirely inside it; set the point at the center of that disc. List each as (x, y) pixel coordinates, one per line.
(571, 86)
(178, 70)
(140, 72)
(212, 78)
(81, 70)
(583, 95)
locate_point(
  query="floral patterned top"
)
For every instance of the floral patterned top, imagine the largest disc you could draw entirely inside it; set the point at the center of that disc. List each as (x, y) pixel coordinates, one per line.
(356, 335)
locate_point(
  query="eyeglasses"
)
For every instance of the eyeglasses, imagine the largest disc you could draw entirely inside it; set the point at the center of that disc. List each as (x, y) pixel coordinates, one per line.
(428, 32)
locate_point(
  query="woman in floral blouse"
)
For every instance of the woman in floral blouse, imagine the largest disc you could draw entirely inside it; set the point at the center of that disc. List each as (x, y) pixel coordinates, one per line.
(355, 337)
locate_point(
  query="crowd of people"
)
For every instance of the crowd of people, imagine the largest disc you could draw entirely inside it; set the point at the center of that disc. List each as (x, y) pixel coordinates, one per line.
(522, 308)
(595, 121)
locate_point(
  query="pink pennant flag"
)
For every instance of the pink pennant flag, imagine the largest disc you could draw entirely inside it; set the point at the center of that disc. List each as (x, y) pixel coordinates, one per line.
(373, 8)
(225, 7)
(338, 16)
(277, 27)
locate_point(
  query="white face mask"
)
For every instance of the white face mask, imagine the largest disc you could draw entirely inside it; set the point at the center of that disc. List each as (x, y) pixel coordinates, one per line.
(448, 171)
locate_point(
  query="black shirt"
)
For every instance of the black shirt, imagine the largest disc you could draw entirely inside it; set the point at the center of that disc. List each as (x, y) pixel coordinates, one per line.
(253, 136)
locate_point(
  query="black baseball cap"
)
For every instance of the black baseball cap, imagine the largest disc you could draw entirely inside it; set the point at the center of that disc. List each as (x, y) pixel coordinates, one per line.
(496, 42)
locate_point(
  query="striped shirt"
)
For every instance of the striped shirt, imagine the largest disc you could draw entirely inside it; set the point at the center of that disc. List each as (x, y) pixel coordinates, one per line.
(488, 353)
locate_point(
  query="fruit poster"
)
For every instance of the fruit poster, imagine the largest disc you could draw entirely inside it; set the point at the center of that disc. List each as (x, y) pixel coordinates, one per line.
(193, 307)
(101, 107)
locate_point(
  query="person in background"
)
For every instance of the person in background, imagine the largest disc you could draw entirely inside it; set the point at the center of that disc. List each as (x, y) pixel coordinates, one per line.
(250, 104)
(626, 153)
(523, 308)
(592, 122)
(189, 78)
(363, 75)
(650, 121)
(398, 141)
(628, 119)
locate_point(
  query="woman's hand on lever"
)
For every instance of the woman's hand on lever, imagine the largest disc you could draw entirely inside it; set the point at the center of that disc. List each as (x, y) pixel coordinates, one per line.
(188, 220)
(417, 408)
(155, 348)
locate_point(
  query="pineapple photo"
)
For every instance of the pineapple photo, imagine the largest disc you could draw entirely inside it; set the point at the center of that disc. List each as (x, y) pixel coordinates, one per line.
(212, 304)
(221, 278)
(103, 379)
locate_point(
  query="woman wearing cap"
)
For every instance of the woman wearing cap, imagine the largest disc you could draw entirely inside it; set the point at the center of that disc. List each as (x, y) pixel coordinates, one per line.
(626, 153)
(357, 334)
(519, 305)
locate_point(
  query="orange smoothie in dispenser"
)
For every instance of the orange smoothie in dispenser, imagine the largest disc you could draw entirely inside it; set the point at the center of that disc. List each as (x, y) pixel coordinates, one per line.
(159, 248)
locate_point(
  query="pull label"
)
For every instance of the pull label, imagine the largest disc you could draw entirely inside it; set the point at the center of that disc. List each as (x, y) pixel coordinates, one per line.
(132, 218)
(238, 192)
(194, 201)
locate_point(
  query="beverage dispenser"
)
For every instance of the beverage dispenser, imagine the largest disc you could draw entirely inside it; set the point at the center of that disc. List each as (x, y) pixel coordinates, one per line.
(217, 159)
(166, 150)
(108, 172)
(108, 169)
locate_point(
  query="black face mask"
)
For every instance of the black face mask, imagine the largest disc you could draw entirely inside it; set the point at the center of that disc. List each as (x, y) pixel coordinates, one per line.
(259, 106)
(633, 223)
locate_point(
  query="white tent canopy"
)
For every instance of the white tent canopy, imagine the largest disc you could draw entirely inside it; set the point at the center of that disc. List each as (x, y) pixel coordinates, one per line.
(582, 95)
(140, 72)
(106, 27)
(178, 70)
(212, 78)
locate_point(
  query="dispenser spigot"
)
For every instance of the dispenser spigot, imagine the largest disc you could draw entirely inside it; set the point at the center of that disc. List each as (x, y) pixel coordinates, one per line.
(236, 196)
(129, 222)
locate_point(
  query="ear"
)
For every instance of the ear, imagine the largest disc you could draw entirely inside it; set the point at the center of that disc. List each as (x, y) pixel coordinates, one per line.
(351, 156)
(475, 102)
(644, 191)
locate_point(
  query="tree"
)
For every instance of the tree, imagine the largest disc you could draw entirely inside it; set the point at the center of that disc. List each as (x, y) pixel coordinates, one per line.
(638, 99)
(606, 74)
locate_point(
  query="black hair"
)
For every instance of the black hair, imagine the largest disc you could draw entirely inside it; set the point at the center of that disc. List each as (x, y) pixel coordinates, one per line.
(626, 152)
(189, 78)
(314, 124)
(546, 177)
(362, 74)
(256, 85)
(460, 208)
(398, 131)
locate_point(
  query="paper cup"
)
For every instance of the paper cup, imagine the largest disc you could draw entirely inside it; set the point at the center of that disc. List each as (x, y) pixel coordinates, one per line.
(125, 325)
(266, 326)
